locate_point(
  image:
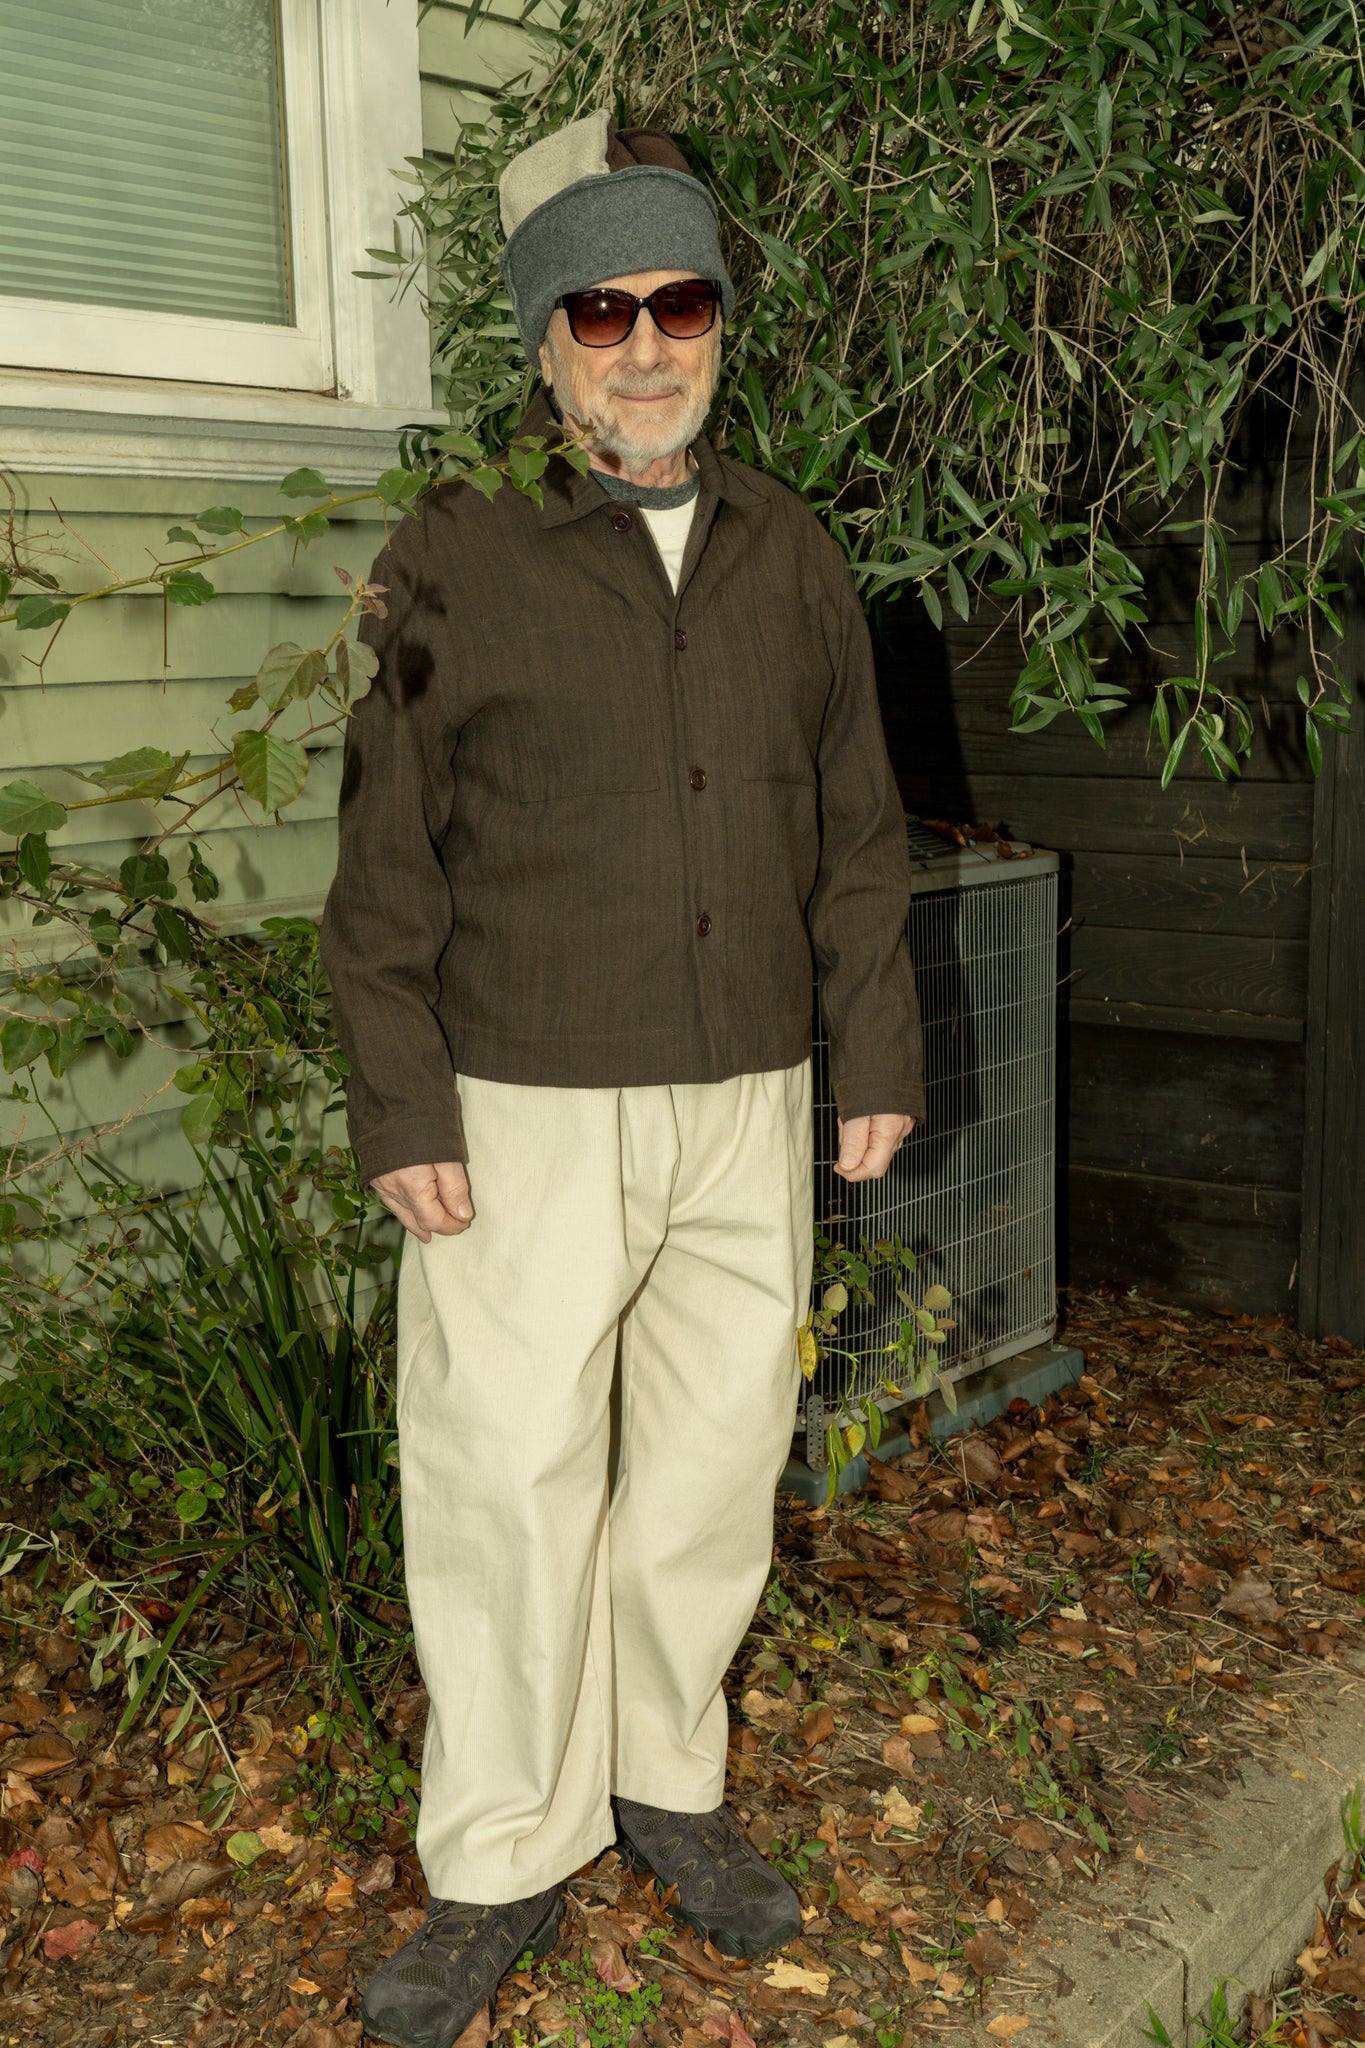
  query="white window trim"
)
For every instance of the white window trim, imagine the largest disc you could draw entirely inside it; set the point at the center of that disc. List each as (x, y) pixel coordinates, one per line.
(363, 355)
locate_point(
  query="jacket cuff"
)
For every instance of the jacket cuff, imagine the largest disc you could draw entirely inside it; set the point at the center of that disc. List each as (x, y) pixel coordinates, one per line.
(413, 1141)
(894, 1093)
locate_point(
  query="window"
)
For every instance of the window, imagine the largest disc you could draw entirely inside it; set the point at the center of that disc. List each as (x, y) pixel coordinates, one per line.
(190, 187)
(162, 165)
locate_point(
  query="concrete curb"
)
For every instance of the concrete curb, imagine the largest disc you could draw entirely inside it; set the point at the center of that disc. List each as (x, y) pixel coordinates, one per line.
(1235, 1899)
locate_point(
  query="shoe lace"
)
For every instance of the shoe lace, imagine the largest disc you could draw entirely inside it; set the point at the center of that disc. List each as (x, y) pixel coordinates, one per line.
(449, 1923)
(717, 1831)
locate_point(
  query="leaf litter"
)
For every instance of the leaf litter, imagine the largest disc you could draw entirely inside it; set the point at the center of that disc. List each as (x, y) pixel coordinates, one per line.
(974, 1694)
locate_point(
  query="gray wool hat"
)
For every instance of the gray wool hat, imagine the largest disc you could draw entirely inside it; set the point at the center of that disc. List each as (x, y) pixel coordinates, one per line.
(591, 202)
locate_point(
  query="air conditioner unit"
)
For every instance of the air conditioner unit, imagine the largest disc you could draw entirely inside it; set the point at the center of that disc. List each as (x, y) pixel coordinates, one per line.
(972, 1191)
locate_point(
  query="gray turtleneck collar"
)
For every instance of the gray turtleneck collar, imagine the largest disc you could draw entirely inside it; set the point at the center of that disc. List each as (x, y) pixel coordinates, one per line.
(665, 498)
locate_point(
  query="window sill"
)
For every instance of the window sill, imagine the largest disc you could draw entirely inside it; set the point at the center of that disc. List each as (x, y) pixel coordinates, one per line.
(66, 424)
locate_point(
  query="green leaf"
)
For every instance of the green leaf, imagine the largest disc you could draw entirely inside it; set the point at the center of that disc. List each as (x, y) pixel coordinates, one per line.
(835, 1298)
(182, 533)
(194, 1077)
(488, 481)
(244, 1847)
(106, 931)
(937, 1298)
(146, 875)
(220, 519)
(145, 772)
(26, 808)
(463, 445)
(305, 483)
(33, 614)
(35, 860)
(23, 1040)
(174, 933)
(357, 665)
(187, 586)
(273, 771)
(199, 1118)
(67, 1045)
(289, 671)
(243, 697)
(308, 525)
(396, 486)
(204, 884)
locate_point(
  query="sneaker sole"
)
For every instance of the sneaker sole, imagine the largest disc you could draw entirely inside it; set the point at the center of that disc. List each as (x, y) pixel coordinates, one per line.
(539, 1944)
(728, 1944)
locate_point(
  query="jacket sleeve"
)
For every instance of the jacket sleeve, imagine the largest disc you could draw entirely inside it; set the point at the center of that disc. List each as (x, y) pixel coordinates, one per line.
(861, 898)
(388, 914)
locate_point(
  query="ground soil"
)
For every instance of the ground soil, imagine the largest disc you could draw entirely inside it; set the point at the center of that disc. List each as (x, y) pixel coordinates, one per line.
(1013, 1664)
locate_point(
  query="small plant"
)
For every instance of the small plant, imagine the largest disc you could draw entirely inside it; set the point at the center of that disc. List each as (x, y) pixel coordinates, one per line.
(1161, 1745)
(846, 1276)
(1351, 1825)
(792, 1857)
(611, 2018)
(357, 1798)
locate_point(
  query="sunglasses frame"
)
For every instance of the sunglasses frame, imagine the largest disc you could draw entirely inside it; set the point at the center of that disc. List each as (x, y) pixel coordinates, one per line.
(612, 291)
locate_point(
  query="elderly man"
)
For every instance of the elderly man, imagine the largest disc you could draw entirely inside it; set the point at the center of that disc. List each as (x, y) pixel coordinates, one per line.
(620, 774)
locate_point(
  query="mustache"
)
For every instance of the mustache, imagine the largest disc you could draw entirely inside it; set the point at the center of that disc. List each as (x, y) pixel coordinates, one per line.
(623, 385)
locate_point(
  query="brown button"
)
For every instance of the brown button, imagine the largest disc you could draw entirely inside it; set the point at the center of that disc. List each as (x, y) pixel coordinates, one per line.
(703, 925)
(622, 521)
(680, 640)
(698, 778)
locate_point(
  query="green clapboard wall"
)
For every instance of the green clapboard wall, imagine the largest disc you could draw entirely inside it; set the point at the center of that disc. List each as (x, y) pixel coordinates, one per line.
(102, 691)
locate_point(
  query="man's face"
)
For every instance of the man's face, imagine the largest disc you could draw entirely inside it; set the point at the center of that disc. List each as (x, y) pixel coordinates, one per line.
(643, 399)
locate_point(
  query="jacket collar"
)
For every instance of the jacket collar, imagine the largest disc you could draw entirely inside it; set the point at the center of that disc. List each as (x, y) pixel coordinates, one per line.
(569, 496)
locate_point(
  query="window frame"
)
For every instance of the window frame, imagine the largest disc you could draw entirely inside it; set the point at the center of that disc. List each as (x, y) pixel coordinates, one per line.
(130, 341)
(178, 394)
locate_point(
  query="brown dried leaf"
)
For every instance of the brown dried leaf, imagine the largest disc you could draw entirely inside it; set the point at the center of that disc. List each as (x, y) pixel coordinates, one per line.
(1250, 1599)
(378, 1878)
(898, 1756)
(1031, 1834)
(189, 1879)
(986, 1953)
(975, 1460)
(817, 1725)
(102, 1857)
(172, 1841)
(70, 1939)
(45, 1753)
(611, 1968)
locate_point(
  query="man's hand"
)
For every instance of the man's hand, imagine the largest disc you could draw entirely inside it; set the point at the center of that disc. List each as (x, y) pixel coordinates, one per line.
(428, 1200)
(868, 1144)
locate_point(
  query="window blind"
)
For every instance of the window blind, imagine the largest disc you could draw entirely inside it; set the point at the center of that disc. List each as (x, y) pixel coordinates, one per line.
(141, 156)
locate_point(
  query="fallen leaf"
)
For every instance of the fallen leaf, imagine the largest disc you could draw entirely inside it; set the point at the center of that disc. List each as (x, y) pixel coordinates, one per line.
(71, 1939)
(611, 1968)
(1250, 1599)
(816, 1726)
(996, 1910)
(986, 1953)
(950, 1983)
(339, 1894)
(378, 1878)
(920, 1724)
(304, 1986)
(1089, 1703)
(897, 1810)
(1031, 1834)
(1140, 1804)
(102, 1855)
(244, 1847)
(920, 1972)
(190, 1879)
(1006, 2025)
(44, 1754)
(278, 1838)
(173, 1841)
(975, 1460)
(730, 2029)
(898, 1756)
(788, 1976)
(851, 1900)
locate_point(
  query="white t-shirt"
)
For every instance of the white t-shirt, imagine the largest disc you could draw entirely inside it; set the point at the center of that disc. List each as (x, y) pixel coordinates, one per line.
(670, 530)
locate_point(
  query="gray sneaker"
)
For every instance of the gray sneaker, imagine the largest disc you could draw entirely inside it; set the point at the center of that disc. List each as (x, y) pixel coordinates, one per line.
(426, 1995)
(725, 1889)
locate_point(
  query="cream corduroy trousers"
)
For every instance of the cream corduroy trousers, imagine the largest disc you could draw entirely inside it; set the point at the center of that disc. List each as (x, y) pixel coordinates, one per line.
(572, 1632)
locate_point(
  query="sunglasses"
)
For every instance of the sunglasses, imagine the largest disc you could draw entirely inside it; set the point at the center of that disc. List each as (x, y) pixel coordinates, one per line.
(602, 318)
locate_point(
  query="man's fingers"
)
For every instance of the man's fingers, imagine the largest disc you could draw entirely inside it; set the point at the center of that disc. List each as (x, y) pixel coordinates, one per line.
(452, 1183)
(430, 1201)
(853, 1137)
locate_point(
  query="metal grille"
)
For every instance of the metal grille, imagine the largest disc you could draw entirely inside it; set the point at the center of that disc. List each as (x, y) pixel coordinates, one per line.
(972, 1192)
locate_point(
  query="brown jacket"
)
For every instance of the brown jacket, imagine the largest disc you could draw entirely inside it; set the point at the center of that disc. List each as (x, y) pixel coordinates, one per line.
(590, 832)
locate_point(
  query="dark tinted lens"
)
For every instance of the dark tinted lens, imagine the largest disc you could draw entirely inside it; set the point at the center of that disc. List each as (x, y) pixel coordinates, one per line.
(599, 319)
(684, 310)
